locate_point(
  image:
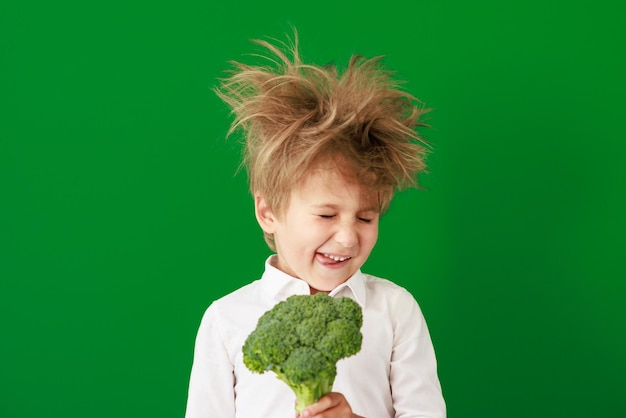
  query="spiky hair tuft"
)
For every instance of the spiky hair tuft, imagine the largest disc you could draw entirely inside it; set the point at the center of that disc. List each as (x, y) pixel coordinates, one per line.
(295, 115)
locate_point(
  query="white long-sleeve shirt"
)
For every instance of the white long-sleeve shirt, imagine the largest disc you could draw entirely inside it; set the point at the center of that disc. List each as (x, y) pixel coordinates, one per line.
(394, 374)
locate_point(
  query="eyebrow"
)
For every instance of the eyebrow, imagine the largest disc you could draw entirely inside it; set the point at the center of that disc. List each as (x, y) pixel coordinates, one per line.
(335, 207)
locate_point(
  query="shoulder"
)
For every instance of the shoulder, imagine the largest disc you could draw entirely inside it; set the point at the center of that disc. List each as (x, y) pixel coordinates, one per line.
(241, 308)
(239, 295)
(378, 287)
(386, 296)
(233, 316)
(237, 302)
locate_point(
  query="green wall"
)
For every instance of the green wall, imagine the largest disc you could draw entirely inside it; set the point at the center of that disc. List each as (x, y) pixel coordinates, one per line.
(121, 216)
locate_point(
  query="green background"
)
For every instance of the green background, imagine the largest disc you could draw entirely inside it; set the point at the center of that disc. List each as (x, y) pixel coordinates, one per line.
(122, 216)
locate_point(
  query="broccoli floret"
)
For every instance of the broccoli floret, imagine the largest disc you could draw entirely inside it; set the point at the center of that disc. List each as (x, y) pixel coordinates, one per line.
(301, 339)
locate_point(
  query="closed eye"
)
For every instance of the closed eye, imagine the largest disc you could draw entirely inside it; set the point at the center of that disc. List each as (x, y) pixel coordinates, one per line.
(327, 216)
(366, 220)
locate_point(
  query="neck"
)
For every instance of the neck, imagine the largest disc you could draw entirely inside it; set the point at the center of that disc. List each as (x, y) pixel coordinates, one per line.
(314, 290)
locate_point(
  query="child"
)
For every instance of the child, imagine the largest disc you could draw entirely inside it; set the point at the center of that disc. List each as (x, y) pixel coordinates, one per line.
(324, 152)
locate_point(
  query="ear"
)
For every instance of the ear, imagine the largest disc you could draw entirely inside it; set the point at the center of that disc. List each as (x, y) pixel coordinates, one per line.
(264, 215)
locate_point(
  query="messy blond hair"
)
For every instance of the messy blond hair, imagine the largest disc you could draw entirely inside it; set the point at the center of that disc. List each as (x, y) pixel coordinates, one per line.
(295, 116)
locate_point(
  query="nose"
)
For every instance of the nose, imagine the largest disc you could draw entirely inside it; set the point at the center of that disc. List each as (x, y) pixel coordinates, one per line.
(347, 235)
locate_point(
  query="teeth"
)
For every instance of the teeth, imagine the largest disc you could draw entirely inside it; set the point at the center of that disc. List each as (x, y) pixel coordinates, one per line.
(334, 257)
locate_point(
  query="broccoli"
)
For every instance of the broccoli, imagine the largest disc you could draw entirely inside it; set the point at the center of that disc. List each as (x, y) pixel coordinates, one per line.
(301, 339)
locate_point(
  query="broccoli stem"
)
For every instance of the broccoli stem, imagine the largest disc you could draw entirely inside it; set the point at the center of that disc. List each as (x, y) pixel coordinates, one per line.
(309, 394)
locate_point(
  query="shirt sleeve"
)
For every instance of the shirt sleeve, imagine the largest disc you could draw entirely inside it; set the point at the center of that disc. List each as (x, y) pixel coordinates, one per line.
(211, 385)
(415, 386)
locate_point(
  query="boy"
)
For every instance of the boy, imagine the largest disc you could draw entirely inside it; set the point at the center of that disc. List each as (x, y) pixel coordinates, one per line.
(324, 152)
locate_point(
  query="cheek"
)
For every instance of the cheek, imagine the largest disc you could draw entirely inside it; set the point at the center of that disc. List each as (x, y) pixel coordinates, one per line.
(313, 228)
(371, 237)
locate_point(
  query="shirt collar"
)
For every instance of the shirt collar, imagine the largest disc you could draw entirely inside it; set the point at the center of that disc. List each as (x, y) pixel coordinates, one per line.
(354, 288)
(279, 285)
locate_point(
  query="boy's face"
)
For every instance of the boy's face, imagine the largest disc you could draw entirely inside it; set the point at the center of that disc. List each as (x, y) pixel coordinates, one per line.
(327, 230)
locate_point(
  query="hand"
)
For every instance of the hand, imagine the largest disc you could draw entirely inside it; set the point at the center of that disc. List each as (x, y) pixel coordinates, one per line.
(331, 405)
